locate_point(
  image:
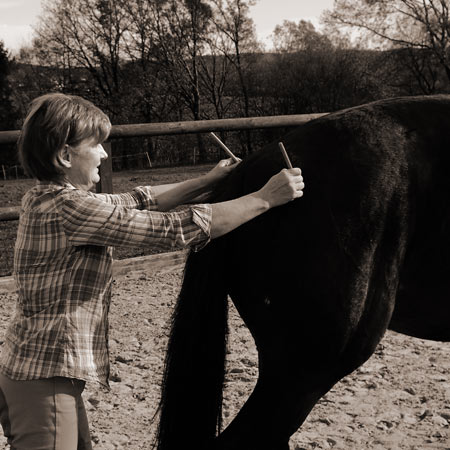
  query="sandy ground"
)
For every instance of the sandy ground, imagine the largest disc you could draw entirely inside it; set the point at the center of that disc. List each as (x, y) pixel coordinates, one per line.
(400, 399)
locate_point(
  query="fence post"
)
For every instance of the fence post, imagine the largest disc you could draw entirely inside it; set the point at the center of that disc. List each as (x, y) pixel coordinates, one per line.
(105, 170)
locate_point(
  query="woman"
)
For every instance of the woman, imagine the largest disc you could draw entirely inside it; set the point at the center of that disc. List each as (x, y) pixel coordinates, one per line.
(58, 338)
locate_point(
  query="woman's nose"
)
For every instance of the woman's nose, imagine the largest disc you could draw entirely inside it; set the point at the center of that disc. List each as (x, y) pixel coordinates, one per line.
(103, 154)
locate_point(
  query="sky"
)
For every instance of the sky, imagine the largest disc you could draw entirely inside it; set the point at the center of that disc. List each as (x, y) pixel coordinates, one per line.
(17, 17)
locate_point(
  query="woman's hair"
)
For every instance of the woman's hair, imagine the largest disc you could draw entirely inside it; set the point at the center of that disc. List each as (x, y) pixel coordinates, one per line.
(53, 121)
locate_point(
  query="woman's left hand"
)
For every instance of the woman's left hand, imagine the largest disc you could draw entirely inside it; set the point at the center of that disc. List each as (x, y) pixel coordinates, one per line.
(222, 169)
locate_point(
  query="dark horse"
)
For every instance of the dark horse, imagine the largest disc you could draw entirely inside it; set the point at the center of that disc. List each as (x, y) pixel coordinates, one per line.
(319, 280)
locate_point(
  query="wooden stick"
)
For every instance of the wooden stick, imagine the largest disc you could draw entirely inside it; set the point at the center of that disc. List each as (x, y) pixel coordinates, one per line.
(285, 155)
(224, 147)
(149, 160)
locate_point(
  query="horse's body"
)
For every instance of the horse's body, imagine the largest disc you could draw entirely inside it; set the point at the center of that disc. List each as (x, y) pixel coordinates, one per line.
(319, 280)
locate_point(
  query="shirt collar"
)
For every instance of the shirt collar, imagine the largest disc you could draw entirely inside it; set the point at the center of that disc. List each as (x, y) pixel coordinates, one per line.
(47, 184)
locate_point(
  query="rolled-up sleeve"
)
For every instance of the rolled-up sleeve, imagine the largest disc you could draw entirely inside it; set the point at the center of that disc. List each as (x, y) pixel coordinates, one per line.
(90, 220)
(201, 216)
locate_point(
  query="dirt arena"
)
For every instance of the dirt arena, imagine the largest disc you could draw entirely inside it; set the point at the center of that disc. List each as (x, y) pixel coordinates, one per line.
(400, 399)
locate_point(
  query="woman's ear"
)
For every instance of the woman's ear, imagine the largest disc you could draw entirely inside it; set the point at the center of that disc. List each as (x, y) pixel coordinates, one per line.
(63, 158)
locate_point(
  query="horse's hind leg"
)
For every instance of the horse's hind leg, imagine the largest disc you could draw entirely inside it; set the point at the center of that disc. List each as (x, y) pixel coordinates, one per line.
(294, 375)
(297, 366)
(272, 413)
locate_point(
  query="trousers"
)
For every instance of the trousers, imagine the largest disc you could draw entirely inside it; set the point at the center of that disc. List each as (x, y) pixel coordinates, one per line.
(44, 414)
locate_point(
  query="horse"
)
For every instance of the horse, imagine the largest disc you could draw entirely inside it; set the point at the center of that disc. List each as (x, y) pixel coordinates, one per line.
(317, 281)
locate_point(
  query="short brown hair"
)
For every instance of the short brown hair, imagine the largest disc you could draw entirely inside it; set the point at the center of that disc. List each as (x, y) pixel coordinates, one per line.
(53, 121)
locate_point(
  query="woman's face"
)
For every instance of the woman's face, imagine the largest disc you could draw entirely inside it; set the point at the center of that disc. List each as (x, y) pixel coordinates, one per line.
(85, 160)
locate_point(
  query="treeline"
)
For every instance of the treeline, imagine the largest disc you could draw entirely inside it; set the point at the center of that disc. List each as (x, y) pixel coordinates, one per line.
(171, 60)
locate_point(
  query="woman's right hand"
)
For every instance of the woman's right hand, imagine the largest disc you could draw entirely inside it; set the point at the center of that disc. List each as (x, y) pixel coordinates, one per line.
(283, 187)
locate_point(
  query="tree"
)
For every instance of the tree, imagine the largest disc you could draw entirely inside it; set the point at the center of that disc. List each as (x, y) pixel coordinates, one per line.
(237, 37)
(311, 74)
(321, 81)
(293, 37)
(88, 34)
(146, 86)
(181, 29)
(421, 26)
(412, 71)
(214, 80)
(8, 115)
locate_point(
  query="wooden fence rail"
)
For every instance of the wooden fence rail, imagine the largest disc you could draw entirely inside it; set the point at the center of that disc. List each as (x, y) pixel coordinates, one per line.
(193, 126)
(159, 263)
(9, 213)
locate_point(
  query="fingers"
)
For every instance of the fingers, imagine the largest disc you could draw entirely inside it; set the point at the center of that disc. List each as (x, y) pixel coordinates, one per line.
(299, 186)
(299, 192)
(223, 163)
(296, 182)
(294, 171)
(232, 161)
(295, 174)
(229, 162)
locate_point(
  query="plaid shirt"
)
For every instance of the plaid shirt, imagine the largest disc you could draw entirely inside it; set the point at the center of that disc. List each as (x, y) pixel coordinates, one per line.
(63, 271)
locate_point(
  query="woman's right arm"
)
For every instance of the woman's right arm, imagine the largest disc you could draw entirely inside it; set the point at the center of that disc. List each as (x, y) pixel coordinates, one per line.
(283, 187)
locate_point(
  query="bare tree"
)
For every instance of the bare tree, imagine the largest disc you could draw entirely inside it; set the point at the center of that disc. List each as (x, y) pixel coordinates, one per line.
(412, 71)
(293, 37)
(181, 29)
(421, 26)
(145, 75)
(8, 114)
(214, 79)
(88, 34)
(237, 38)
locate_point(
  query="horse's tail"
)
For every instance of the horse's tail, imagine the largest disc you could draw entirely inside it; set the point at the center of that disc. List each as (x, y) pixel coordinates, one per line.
(191, 401)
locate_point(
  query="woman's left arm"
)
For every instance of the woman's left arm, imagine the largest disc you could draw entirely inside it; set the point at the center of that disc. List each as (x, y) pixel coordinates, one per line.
(170, 196)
